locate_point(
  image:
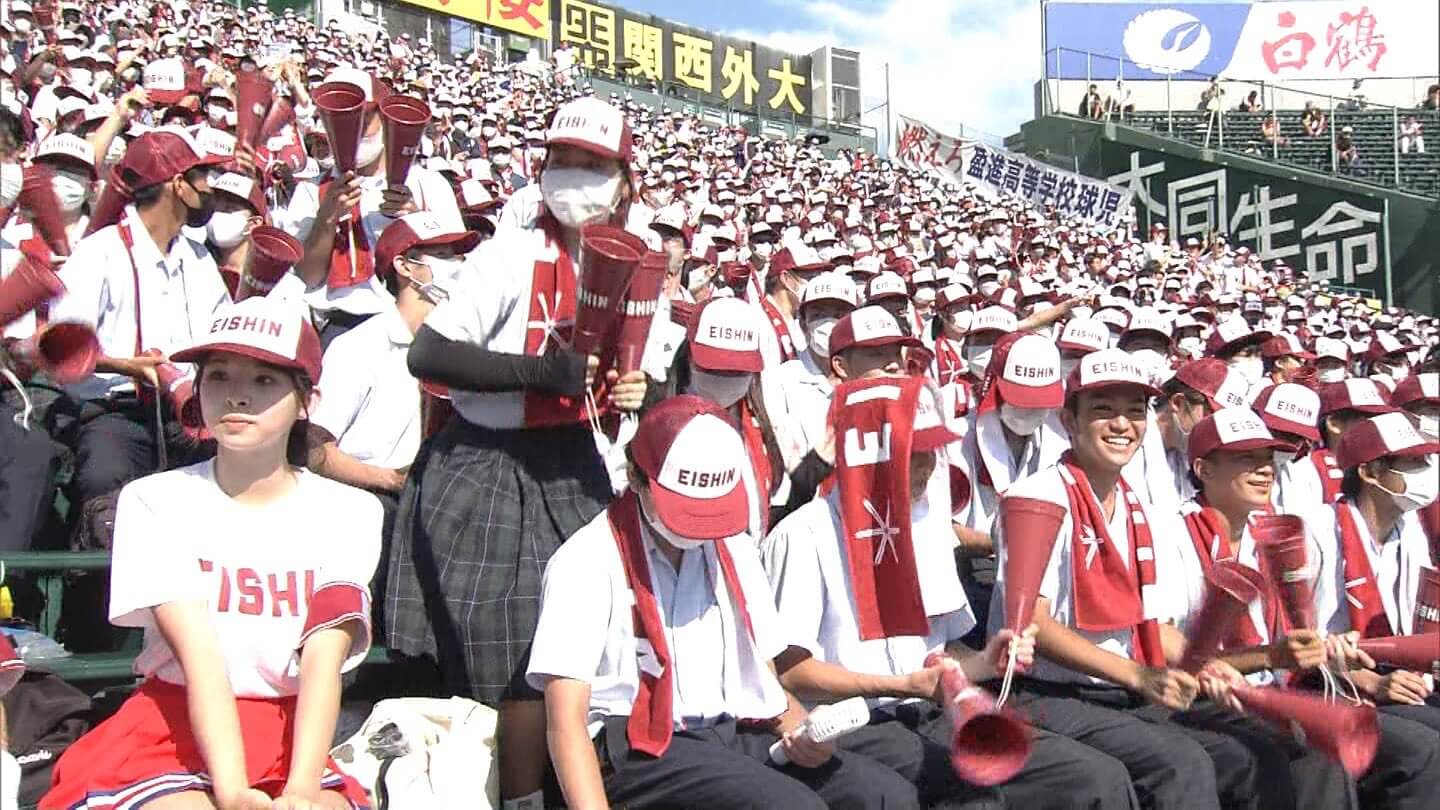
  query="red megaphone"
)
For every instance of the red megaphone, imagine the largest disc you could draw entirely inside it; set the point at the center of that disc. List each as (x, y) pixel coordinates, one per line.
(1346, 733)
(608, 258)
(1280, 539)
(65, 351)
(37, 197)
(642, 299)
(987, 745)
(28, 286)
(281, 113)
(342, 111)
(1230, 587)
(253, 95)
(1417, 653)
(404, 121)
(272, 253)
(1427, 603)
(1030, 529)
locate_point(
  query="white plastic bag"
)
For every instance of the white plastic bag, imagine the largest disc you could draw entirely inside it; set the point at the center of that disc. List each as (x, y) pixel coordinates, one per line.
(434, 753)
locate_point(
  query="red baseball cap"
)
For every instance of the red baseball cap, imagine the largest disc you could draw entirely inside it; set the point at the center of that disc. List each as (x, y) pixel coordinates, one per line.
(1026, 371)
(592, 125)
(868, 326)
(1213, 379)
(420, 229)
(994, 319)
(1284, 344)
(272, 331)
(724, 335)
(1417, 388)
(1107, 368)
(1232, 334)
(1231, 429)
(244, 187)
(886, 285)
(1290, 408)
(161, 154)
(693, 457)
(1384, 344)
(1389, 434)
(1084, 335)
(1355, 394)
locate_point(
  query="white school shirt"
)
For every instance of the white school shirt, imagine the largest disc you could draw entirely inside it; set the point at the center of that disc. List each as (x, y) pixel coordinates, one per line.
(797, 394)
(1149, 472)
(1298, 489)
(430, 192)
(1170, 599)
(179, 537)
(369, 401)
(1396, 563)
(297, 215)
(987, 436)
(180, 290)
(586, 630)
(809, 573)
(770, 351)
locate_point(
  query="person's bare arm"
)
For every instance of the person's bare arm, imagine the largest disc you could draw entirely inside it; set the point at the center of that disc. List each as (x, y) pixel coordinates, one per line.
(973, 542)
(326, 458)
(808, 677)
(340, 196)
(567, 703)
(1060, 644)
(118, 119)
(316, 709)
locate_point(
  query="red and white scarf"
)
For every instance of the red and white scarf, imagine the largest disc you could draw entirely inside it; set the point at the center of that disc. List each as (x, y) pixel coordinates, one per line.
(1330, 473)
(874, 425)
(349, 234)
(1362, 592)
(781, 328)
(760, 460)
(652, 720)
(1110, 595)
(950, 365)
(1209, 532)
(550, 323)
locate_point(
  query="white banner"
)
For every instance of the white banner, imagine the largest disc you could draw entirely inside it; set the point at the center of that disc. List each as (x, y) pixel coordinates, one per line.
(996, 171)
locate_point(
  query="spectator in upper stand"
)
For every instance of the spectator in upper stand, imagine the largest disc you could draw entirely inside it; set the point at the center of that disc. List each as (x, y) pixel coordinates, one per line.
(1432, 98)
(1252, 103)
(1210, 99)
(1313, 120)
(1346, 153)
(1121, 104)
(1270, 131)
(1092, 106)
(1412, 135)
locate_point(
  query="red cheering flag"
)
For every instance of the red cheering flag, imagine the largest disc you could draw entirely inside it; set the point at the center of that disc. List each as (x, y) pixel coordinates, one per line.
(1417, 653)
(342, 111)
(642, 299)
(272, 253)
(404, 121)
(1229, 589)
(1280, 539)
(1346, 733)
(988, 745)
(608, 258)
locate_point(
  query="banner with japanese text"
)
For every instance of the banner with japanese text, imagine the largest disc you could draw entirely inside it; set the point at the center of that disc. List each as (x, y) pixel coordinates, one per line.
(1269, 41)
(528, 17)
(721, 70)
(999, 172)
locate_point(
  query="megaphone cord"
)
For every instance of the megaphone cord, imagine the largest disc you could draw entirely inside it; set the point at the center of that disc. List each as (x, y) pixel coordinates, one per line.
(161, 452)
(1008, 680)
(22, 419)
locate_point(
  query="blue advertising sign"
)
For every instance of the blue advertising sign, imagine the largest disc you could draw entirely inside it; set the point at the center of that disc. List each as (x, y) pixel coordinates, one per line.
(1153, 40)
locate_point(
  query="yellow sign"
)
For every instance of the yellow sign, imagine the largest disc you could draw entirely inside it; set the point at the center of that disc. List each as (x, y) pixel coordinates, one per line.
(528, 17)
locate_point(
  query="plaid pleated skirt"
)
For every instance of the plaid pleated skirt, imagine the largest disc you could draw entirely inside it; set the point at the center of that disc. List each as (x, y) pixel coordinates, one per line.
(480, 515)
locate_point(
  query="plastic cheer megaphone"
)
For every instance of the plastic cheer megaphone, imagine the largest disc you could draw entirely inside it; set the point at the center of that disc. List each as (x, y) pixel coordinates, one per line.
(1030, 529)
(642, 300)
(1417, 653)
(987, 745)
(342, 111)
(253, 96)
(1427, 603)
(608, 258)
(1347, 733)
(827, 723)
(281, 112)
(28, 286)
(37, 197)
(405, 118)
(272, 253)
(1230, 587)
(65, 351)
(1280, 539)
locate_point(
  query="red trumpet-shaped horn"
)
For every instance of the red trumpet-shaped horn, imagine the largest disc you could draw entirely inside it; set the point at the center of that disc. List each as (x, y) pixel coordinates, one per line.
(609, 257)
(342, 111)
(37, 197)
(1346, 733)
(1281, 542)
(281, 112)
(1427, 603)
(26, 288)
(988, 746)
(65, 351)
(405, 120)
(272, 253)
(1030, 529)
(1229, 589)
(642, 299)
(253, 96)
(1417, 653)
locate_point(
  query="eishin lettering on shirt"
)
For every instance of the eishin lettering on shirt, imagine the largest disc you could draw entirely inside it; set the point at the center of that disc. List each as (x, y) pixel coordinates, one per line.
(259, 592)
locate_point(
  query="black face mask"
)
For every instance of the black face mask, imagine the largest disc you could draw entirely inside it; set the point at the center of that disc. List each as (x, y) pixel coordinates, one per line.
(200, 217)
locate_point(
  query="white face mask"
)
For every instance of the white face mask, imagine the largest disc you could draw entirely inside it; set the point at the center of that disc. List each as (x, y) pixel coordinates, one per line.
(80, 77)
(763, 249)
(227, 228)
(444, 277)
(69, 191)
(369, 150)
(817, 332)
(988, 288)
(1250, 369)
(501, 159)
(1192, 346)
(11, 178)
(978, 358)
(487, 131)
(22, 24)
(216, 113)
(580, 196)
(1421, 488)
(1150, 359)
(722, 389)
(682, 543)
(1331, 375)
(662, 197)
(1021, 421)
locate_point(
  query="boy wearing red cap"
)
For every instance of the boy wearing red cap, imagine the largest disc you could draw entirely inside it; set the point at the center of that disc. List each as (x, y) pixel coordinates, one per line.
(657, 630)
(845, 645)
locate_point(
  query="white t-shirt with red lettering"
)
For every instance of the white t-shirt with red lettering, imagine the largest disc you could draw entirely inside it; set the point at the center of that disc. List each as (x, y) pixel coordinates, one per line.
(271, 574)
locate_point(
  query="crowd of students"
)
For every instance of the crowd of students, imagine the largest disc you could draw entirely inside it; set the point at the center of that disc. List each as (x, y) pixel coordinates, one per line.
(856, 381)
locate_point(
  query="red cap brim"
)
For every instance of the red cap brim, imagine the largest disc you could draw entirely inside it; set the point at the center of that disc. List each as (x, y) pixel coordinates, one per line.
(1025, 396)
(195, 354)
(712, 359)
(699, 519)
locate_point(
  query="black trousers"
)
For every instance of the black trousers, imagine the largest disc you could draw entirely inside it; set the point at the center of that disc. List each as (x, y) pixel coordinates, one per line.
(914, 740)
(1199, 759)
(115, 443)
(29, 464)
(1406, 772)
(728, 767)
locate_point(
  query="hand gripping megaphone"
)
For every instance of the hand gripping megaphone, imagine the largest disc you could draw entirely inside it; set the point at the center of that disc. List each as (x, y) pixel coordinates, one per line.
(988, 745)
(1347, 733)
